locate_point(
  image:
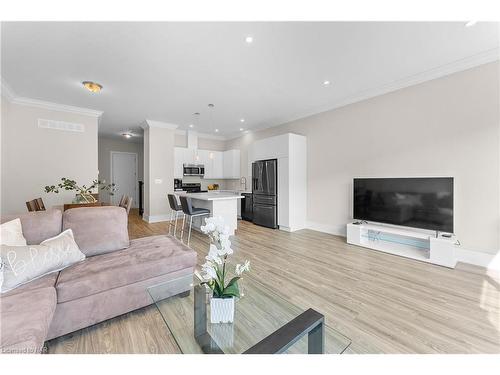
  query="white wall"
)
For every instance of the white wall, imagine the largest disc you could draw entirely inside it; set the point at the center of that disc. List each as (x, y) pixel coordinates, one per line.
(34, 157)
(444, 127)
(105, 146)
(158, 165)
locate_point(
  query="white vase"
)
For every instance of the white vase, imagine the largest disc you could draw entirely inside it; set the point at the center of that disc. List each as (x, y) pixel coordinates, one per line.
(222, 310)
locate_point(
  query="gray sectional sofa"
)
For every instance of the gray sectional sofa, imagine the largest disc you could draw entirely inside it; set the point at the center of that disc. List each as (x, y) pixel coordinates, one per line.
(111, 281)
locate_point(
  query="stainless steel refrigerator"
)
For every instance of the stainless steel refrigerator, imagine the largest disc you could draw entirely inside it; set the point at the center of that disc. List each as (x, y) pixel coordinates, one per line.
(265, 193)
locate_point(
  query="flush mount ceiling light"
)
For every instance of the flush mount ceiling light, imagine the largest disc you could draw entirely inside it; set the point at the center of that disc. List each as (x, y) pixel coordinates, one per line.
(127, 135)
(241, 129)
(92, 86)
(242, 120)
(249, 39)
(470, 23)
(191, 125)
(216, 130)
(326, 83)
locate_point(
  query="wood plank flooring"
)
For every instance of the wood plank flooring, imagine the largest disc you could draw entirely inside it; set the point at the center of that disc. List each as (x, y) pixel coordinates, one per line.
(384, 303)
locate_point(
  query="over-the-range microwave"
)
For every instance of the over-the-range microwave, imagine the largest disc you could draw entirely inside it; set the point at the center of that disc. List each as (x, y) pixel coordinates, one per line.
(194, 170)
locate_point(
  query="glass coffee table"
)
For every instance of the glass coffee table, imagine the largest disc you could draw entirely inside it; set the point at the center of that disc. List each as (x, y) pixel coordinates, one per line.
(264, 323)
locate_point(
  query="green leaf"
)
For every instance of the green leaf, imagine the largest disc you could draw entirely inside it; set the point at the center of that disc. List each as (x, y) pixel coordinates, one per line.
(231, 290)
(233, 280)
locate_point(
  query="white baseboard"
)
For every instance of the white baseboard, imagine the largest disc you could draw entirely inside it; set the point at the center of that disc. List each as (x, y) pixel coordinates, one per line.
(156, 218)
(337, 230)
(479, 258)
(475, 257)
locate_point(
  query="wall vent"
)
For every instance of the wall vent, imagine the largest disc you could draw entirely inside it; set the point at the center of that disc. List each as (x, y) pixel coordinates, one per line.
(61, 125)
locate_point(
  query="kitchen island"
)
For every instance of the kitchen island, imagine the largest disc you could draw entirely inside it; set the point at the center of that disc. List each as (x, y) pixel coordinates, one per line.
(223, 204)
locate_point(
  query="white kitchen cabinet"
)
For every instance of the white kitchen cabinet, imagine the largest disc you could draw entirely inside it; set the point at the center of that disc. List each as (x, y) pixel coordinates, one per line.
(182, 155)
(231, 164)
(218, 164)
(204, 158)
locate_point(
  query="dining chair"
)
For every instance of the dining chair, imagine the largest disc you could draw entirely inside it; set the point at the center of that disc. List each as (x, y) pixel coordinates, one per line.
(35, 205)
(122, 200)
(127, 203)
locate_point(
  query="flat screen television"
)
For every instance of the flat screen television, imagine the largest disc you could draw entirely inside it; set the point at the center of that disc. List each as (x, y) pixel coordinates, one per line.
(425, 203)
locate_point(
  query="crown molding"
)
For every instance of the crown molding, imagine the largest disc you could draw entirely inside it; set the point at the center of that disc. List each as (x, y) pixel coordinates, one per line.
(56, 107)
(202, 135)
(10, 95)
(158, 124)
(422, 77)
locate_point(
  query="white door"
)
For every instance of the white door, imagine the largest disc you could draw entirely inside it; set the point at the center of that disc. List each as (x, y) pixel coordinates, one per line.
(124, 176)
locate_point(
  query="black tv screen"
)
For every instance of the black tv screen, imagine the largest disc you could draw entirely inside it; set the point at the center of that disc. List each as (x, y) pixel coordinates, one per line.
(425, 203)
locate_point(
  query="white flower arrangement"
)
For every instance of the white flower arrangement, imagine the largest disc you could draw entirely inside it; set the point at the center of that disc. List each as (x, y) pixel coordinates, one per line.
(215, 267)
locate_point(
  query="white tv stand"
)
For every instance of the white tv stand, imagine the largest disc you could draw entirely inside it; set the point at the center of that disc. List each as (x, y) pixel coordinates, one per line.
(404, 242)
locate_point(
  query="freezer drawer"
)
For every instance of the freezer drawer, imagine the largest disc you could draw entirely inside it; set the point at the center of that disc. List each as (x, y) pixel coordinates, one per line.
(265, 215)
(269, 200)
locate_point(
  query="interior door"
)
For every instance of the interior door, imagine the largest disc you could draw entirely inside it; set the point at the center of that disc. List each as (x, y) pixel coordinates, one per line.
(124, 176)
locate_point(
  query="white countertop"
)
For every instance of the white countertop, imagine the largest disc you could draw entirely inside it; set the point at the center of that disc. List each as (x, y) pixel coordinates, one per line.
(211, 196)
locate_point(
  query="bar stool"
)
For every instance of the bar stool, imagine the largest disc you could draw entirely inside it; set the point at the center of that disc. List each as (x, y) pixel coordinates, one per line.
(176, 209)
(190, 211)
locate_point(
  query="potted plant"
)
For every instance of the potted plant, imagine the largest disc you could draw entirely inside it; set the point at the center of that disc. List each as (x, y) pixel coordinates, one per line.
(216, 271)
(83, 192)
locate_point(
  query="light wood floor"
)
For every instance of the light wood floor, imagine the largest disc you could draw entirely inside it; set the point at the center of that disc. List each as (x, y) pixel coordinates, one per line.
(384, 303)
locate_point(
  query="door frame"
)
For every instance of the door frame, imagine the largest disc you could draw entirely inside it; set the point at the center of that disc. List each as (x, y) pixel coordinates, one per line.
(136, 174)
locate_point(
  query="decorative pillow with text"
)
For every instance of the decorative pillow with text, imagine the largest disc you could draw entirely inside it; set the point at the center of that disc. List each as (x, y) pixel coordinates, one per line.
(22, 264)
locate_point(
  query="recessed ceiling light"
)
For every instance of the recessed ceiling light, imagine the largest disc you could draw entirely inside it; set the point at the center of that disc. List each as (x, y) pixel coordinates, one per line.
(470, 23)
(127, 135)
(92, 86)
(242, 120)
(249, 39)
(191, 125)
(216, 130)
(241, 129)
(326, 83)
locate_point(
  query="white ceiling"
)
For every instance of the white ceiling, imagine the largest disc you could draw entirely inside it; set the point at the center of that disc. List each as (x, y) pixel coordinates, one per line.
(168, 71)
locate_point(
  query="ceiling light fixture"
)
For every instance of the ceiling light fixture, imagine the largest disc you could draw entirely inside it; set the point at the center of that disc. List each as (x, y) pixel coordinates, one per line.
(216, 130)
(249, 39)
(127, 135)
(241, 129)
(92, 86)
(191, 125)
(326, 83)
(242, 120)
(470, 23)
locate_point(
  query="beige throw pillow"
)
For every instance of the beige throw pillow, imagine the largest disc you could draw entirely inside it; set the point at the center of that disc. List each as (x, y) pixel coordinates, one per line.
(22, 264)
(11, 233)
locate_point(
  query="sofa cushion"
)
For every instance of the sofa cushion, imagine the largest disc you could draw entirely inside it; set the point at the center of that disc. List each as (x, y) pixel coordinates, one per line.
(25, 319)
(98, 230)
(12, 233)
(38, 226)
(145, 258)
(48, 281)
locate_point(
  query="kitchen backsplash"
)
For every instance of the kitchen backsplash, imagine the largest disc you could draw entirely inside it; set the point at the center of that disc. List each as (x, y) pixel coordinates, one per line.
(205, 182)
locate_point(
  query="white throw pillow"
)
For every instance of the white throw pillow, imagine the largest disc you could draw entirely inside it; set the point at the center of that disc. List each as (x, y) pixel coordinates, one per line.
(22, 264)
(12, 233)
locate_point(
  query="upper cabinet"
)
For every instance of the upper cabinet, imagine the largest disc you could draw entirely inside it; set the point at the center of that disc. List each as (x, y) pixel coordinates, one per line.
(232, 164)
(218, 164)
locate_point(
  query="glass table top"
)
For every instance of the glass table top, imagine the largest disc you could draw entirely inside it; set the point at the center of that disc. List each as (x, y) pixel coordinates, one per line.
(258, 313)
